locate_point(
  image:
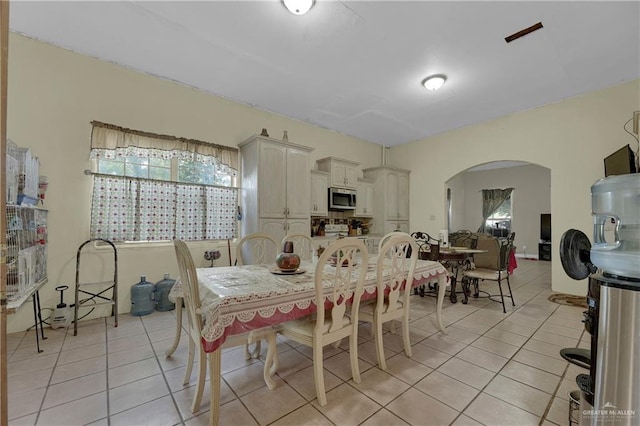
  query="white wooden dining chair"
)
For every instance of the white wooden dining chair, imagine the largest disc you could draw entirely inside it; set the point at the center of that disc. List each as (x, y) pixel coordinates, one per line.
(191, 297)
(258, 248)
(302, 245)
(394, 271)
(389, 235)
(343, 284)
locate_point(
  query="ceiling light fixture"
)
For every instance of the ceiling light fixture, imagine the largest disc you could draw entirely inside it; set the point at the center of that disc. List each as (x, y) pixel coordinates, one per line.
(434, 82)
(298, 7)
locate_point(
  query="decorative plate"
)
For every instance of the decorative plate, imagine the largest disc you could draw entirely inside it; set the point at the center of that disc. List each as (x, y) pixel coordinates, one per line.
(279, 271)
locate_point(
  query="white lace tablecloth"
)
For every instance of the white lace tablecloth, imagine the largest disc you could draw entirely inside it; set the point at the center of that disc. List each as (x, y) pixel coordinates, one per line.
(236, 299)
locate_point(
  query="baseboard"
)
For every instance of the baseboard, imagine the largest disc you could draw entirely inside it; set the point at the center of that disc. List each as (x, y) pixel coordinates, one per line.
(527, 256)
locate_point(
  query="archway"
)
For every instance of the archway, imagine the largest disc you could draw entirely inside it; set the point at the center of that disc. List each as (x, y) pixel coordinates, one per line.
(531, 197)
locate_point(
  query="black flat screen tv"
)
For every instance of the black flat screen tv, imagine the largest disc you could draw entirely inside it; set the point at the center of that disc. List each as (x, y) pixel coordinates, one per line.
(621, 162)
(545, 227)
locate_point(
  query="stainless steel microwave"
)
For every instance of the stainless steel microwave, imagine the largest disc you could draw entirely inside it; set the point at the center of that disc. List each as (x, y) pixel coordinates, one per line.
(342, 199)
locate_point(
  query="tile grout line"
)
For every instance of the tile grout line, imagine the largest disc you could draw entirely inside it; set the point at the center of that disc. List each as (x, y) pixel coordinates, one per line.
(564, 373)
(164, 376)
(509, 359)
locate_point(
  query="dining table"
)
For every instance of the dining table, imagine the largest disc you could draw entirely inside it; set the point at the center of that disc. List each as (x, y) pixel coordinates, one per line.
(239, 299)
(454, 259)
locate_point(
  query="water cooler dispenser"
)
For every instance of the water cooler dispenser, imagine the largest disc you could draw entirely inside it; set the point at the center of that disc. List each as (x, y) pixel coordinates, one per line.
(611, 391)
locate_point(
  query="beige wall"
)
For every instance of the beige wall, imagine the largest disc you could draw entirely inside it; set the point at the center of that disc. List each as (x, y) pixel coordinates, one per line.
(570, 137)
(531, 197)
(53, 96)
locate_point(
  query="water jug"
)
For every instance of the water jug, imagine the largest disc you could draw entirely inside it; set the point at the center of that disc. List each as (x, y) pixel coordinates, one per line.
(162, 294)
(615, 202)
(143, 300)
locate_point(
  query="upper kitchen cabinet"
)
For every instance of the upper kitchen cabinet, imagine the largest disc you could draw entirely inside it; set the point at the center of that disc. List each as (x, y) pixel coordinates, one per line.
(364, 198)
(319, 197)
(343, 173)
(391, 204)
(275, 182)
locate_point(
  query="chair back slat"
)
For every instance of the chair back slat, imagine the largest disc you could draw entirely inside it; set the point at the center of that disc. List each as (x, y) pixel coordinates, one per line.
(257, 248)
(190, 289)
(389, 235)
(302, 245)
(463, 238)
(345, 280)
(395, 268)
(428, 246)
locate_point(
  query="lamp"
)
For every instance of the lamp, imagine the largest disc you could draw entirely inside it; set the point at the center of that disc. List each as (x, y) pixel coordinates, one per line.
(434, 82)
(298, 7)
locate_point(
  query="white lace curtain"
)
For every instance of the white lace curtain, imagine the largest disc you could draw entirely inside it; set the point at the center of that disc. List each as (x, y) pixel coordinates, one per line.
(132, 209)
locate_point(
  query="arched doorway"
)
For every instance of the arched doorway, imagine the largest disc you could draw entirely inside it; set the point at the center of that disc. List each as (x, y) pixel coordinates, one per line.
(531, 197)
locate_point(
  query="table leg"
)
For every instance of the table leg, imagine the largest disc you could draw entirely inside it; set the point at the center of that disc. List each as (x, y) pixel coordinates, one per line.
(176, 340)
(442, 288)
(214, 379)
(452, 296)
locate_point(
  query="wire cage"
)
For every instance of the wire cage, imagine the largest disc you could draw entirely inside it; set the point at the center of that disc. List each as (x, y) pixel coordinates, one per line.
(26, 249)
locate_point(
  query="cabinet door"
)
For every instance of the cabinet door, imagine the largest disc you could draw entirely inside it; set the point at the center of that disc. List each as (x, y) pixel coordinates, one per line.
(350, 176)
(364, 199)
(338, 174)
(403, 196)
(319, 195)
(392, 195)
(298, 197)
(369, 206)
(272, 186)
(277, 229)
(301, 226)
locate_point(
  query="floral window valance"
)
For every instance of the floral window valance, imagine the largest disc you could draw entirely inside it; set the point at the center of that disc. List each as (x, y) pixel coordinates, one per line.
(109, 141)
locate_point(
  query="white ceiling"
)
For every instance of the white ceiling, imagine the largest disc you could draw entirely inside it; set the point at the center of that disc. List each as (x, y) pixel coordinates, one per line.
(356, 66)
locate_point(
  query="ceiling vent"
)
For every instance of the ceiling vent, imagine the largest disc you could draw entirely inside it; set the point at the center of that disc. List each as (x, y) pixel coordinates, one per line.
(523, 33)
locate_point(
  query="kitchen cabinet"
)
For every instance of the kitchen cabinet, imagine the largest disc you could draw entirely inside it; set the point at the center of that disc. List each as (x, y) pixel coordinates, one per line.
(391, 203)
(364, 198)
(275, 186)
(319, 196)
(343, 173)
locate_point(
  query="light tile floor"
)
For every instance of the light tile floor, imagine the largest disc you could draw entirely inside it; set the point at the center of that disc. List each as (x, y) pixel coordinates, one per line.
(491, 369)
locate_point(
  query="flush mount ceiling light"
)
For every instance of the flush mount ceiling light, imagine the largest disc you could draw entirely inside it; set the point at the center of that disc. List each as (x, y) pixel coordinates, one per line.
(434, 82)
(298, 7)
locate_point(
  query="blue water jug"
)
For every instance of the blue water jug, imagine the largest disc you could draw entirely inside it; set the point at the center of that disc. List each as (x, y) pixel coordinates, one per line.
(143, 300)
(162, 294)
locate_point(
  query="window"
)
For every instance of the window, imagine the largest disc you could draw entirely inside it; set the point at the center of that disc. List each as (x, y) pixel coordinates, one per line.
(496, 211)
(156, 188)
(499, 223)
